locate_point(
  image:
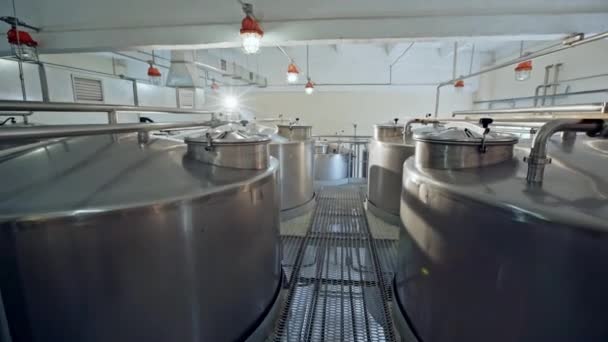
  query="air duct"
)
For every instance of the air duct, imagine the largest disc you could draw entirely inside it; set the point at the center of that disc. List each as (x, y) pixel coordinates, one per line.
(183, 73)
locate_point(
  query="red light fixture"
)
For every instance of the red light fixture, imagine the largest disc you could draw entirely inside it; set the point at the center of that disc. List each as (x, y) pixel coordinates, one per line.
(22, 38)
(292, 73)
(154, 74)
(523, 71)
(214, 86)
(459, 84)
(251, 32)
(309, 88)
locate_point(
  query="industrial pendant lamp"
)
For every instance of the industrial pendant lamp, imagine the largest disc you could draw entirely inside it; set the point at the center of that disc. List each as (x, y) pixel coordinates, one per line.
(459, 85)
(251, 32)
(292, 73)
(309, 88)
(214, 86)
(523, 71)
(154, 75)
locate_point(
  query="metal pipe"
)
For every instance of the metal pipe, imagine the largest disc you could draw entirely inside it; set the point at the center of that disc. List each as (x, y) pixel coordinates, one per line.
(455, 60)
(597, 108)
(543, 52)
(582, 92)
(437, 94)
(29, 106)
(538, 154)
(545, 82)
(59, 131)
(558, 66)
(407, 128)
(390, 68)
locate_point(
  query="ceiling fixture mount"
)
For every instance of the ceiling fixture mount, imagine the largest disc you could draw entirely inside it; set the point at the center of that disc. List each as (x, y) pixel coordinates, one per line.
(523, 71)
(310, 86)
(251, 32)
(292, 73)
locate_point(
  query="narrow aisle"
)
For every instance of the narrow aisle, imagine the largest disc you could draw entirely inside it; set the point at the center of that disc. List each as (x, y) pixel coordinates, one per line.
(337, 291)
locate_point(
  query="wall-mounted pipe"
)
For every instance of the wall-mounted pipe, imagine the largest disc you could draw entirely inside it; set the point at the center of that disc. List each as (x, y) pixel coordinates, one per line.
(538, 154)
(407, 128)
(566, 44)
(59, 131)
(573, 93)
(588, 108)
(33, 106)
(558, 67)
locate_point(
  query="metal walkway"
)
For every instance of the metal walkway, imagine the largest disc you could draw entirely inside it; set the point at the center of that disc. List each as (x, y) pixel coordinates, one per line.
(337, 288)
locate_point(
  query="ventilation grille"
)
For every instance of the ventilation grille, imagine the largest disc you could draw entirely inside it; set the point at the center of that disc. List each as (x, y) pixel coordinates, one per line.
(87, 89)
(185, 98)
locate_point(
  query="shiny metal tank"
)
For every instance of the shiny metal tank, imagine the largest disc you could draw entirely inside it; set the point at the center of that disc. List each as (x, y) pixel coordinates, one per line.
(295, 171)
(106, 239)
(295, 132)
(486, 257)
(387, 152)
(331, 167)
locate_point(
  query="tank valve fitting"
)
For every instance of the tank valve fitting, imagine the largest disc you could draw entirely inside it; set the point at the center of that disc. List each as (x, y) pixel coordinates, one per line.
(485, 123)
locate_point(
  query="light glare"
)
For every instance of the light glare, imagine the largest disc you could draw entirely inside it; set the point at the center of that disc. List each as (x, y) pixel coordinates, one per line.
(251, 42)
(231, 102)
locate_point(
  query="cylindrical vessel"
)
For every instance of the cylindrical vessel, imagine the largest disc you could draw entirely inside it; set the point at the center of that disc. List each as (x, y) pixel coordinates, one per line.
(331, 167)
(295, 155)
(105, 238)
(387, 151)
(484, 256)
(295, 132)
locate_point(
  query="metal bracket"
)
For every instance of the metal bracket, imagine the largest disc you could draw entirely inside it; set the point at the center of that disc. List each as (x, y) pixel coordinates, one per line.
(537, 161)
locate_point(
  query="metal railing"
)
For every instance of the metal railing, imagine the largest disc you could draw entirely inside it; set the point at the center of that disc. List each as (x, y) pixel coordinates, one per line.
(57, 131)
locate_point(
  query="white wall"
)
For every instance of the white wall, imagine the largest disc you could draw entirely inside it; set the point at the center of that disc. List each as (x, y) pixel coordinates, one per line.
(333, 111)
(585, 60)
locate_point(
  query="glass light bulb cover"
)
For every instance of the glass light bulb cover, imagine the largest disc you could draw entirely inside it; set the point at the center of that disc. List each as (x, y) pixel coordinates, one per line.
(292, 77)
(251, 42)
(309, 90)
(522, 75)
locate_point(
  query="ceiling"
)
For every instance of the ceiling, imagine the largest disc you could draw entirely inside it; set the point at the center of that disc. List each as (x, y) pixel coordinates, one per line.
(93, 25)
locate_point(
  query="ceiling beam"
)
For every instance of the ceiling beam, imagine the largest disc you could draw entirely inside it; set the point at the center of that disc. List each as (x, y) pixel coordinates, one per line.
(323, 31)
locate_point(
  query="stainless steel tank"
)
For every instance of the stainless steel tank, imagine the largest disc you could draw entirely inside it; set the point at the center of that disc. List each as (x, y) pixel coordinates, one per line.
(105, 238)
(487, 256)
(331, 168)
(294, 149)
(388, 149)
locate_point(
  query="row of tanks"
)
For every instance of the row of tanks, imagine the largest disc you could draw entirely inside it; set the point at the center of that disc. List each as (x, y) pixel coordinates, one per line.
(118, 238)
(488, 252)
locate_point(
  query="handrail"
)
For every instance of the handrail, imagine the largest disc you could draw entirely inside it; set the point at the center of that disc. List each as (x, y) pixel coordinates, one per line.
(599, 108)
(36, 106)
(60, 131)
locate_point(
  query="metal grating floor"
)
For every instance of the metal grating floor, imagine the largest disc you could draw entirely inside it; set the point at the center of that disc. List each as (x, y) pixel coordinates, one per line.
(337, 288)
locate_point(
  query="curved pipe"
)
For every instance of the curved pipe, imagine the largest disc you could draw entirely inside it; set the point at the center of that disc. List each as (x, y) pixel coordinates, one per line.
(538, 154)
(407, 128)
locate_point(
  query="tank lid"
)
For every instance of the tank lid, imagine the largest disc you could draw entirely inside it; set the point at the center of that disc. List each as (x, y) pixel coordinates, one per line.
(230, 134)
(465, 136)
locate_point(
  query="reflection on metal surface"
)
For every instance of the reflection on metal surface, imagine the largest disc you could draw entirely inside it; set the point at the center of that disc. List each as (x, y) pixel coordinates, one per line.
(143, 250)
(331, 167)
(484, 257)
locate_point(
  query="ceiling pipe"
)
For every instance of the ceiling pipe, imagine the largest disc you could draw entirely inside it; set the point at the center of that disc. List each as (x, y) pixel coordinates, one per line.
(567, 43)
(390, 68)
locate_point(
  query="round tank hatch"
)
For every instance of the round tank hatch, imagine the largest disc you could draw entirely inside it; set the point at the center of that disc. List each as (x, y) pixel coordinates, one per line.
(459, 148)
(230, 146)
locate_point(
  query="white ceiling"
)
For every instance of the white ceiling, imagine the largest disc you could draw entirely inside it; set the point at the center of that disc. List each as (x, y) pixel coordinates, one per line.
(94, 25)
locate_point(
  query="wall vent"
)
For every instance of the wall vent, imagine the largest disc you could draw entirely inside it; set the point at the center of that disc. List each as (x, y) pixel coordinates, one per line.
(87, 89)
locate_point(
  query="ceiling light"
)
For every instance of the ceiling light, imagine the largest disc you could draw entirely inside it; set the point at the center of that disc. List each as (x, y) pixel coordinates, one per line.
(523, 71)
(154, 74)
(292, 73)
(251, 32)
(309, 88)
(231, 102)
(214, 86)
